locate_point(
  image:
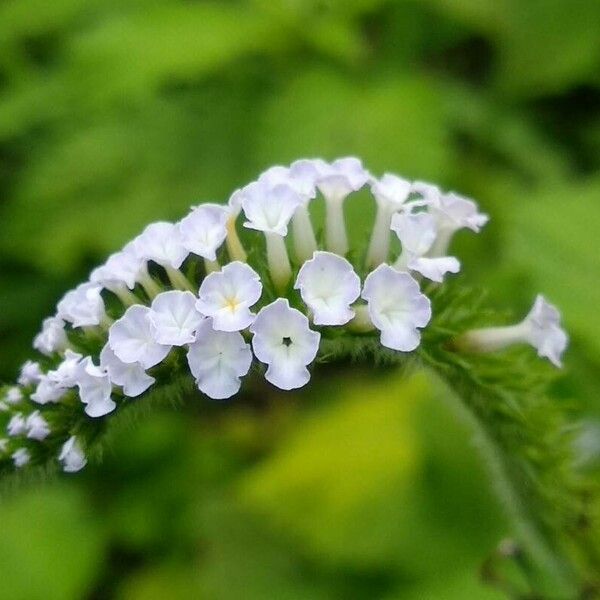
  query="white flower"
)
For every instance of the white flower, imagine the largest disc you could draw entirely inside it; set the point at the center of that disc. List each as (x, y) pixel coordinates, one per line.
(269, 208)
(417, 233)
(340, 178)
(161, 242)
(434, 268)
(204, 230)
(94, 389)
(130, 376)
(132, 340)
(47, 391)
(396, 307)
(228, 295)
(37, 427)
(83, 306)
(65, 375)
(301, 177)
(121, 268)
(173, 318)
(545, 333)
(456, 212)
(336, 181)
(31, 373)
(217, 360)
(451, 212)
(53, 385)
(305, 174)
(14, 395)
(540, 329)
(390, 192)
(283, 340)
(71, 456)
(429, 192)
(17, 425)
(328, 285)
(21, 457)
(52, 338)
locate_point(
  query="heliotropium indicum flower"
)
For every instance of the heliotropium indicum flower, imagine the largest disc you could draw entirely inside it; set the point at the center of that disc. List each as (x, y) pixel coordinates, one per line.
(173, 318)
(37, 427)
(201, 301)
(204, 230)
(95, 389)
(132, 340)
(417, 233)
(83, 306)
(162, 243)
(451, 212)
(228, 295)
(31, 373)
(14, 395)
(121, 272)
(328, 285)
(390, 192)
(52, 338)
(21, 457)
(301, 176)
(132, 377)
(269, 209)
(336, 181)
(17, 425)
(396, 307)
(284, 341)
(71, 456)
(217, 360)
(540, 328)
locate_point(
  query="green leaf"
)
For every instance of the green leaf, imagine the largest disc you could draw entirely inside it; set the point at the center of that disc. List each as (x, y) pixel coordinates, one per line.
(524, 33)
(50, 547)
(552, 236)
(395, 124)
(359, 483)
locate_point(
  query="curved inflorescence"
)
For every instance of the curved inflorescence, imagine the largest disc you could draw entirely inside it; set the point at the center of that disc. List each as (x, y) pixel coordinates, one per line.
(253, 281)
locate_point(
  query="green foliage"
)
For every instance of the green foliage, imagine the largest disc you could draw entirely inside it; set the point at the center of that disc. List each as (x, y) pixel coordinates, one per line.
(53, 530)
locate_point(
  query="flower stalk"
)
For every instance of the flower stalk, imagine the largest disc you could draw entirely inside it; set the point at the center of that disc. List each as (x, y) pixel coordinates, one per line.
(278, 261)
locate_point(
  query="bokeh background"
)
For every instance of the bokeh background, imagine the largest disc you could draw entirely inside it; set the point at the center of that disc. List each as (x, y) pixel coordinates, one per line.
(114, 113)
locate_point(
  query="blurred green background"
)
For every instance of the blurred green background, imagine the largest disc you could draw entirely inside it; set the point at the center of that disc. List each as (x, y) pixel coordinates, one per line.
(114, 113)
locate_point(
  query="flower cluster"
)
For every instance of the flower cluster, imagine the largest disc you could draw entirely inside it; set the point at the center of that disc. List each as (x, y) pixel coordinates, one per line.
(256, 281)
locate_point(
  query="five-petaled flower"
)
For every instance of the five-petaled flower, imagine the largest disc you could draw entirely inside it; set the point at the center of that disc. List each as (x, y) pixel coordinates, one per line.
(204, 229)
(396, 307)
(284, 341)
(228, 295)
(328, 285)
(217, 360)
(173, 318)
(132, 340)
